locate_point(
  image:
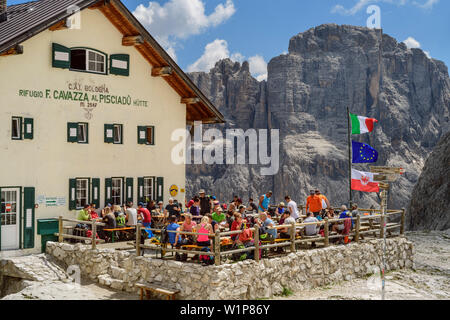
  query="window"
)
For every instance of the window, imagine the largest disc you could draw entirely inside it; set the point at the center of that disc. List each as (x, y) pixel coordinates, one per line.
(113, 133)
(87, 60)
(21, 128)
(117, 191)
(148, 189)
(8, 208)
(78, 132)
(146, 135)
(117, 133)
(82, 132)
(16, 130)
(82, 192)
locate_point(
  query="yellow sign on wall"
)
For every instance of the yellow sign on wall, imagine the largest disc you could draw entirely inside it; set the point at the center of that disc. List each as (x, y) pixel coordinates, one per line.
(173, 190)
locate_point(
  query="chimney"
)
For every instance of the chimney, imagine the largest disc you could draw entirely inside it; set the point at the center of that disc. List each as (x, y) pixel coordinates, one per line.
(3, 16)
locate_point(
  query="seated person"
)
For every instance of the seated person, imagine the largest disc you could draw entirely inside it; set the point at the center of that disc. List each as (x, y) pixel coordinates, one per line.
(268, 223)
(339, 227)
(174, 238)
(188, 226)
(84, 215)
(205, 228)
(311, 230)
(160, 209)
(285, 233)
(173, 209)
(194, 209)
(281, 208)
(110, 223)
(229, 219)
(236, 225)
(218, 215)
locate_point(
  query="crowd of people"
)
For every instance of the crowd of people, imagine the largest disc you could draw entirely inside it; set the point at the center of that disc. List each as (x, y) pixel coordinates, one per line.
(206, 214)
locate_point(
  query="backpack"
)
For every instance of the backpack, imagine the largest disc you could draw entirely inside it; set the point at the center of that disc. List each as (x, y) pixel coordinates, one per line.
(206, 259)
(120, 221)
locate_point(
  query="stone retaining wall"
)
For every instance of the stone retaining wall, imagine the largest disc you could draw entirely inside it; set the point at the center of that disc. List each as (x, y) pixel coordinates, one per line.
(243, 280)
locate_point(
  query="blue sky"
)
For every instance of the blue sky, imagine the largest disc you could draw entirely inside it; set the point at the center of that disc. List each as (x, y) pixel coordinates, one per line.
(198, 32)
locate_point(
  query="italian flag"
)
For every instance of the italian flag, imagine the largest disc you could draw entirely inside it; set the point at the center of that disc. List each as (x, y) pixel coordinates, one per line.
(361, 124)
(363, 181)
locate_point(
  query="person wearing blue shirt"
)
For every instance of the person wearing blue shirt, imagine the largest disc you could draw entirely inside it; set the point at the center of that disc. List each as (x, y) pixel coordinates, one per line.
(264, 201)
(173, 227)
(345, 214)
(267, 222)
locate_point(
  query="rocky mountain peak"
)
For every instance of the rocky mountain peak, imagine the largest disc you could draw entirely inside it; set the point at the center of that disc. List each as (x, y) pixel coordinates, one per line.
(329, 68)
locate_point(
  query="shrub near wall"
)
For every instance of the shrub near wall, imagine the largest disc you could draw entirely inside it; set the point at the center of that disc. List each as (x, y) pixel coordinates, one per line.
(248, 279)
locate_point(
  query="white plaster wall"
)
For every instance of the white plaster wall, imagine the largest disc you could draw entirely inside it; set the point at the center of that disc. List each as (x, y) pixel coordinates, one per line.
(48, 161)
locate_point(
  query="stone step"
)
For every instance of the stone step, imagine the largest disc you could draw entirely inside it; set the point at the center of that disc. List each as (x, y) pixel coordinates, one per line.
(107, 280)
(38, 267)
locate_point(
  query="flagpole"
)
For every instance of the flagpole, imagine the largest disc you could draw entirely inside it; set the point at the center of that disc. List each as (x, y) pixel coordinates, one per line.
(349, 159)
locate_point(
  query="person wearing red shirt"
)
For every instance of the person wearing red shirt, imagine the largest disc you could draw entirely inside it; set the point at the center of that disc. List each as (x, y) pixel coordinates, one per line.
(146, 217)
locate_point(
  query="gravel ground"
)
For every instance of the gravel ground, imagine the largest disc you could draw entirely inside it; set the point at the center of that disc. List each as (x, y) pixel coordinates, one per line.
(429, 280)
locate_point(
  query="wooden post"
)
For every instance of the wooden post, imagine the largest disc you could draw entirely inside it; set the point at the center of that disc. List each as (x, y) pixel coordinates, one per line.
(138, 239)
(217, 248)
(383, 217)
(358, 225)
(326, 233)
(402, 223)
(60, 229)
(94, 233)
(256, 255)
(292, 237)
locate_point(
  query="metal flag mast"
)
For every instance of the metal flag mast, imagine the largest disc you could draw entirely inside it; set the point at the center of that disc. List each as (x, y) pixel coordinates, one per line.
(349, 159)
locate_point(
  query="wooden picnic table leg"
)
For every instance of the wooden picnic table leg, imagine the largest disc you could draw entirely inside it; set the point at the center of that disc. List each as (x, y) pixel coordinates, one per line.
(147, 294)
(142, 293)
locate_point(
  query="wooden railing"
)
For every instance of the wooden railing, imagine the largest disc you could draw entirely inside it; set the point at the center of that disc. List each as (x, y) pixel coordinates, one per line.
(375, 228)
(61, 236)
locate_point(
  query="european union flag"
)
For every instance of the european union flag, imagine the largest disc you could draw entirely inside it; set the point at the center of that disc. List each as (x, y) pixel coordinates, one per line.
(363, 153)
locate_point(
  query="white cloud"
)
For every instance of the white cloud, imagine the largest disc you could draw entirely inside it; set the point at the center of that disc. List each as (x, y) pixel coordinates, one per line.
(214, 51)
(180, 19)
(258, 67)
(413, 43)
(427, 5)
(218, 50)
(362, 4)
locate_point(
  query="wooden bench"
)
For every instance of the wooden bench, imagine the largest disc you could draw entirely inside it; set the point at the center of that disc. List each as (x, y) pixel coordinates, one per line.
(154, 287)
(117, 229)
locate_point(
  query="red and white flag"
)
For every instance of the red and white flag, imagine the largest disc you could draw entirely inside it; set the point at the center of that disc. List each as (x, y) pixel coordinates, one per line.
(363, 181)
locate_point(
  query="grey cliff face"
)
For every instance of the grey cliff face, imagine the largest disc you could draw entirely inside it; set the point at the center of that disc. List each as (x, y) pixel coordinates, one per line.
(306, 95)
(430, 200)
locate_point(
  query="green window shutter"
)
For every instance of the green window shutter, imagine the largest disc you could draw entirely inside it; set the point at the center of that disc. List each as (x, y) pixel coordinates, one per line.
(72, 132)
(108, 186)
(87, 133)
(72, 194)
(140, 189)
(142, 135)
(109, 133)
(60, 56)
(95, 192)
(129, 190)
(28, 210)
(160, 189)
(153, 135)
(119, 64)
(154, 189)
(28, 128)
